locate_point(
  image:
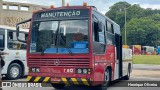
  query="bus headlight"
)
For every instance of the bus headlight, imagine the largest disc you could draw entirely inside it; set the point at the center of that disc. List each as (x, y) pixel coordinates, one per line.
(33, 69)
(37, 70)
(79, 71)
(83, 71)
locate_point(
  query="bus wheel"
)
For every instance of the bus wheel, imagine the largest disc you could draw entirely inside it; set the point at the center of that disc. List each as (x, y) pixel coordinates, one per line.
(14, 71)
(107, 80)
(128, 73)
(58, 86)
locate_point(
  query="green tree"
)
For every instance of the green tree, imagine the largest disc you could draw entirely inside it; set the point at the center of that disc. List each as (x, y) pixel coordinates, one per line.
(135, 11)
(143, 31)
(143, 25)
(117, 12)
(116, 9)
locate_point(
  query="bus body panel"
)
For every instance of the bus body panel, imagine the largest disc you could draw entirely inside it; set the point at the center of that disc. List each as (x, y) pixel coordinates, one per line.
(137, 50)
(19, 55)
(102, 62)
(127, 59)
(12, 55)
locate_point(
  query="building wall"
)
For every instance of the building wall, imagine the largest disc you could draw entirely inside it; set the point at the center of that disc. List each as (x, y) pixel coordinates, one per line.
(13, 12)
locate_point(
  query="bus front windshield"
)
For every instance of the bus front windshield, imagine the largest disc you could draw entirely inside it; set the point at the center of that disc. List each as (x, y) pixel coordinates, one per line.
(69, 36)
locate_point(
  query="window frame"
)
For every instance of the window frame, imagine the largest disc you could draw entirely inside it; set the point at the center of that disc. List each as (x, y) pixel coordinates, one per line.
(111, 33)
(85, 18)
(3, 41)
(3, 32)
(93, 40)
(8, 30)
(111, 25)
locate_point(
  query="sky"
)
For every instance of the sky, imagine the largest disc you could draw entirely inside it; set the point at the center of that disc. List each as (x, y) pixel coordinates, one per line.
(102, 5)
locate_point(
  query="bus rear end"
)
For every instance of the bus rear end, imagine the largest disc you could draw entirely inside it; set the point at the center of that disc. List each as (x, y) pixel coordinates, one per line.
(59, 46)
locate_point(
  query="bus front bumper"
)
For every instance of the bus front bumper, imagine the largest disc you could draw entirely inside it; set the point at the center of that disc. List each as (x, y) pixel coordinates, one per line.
(60, 80)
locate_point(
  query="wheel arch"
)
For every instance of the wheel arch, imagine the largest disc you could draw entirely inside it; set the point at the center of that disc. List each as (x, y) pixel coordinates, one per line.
(130, 65)
(110, 70)
(20, 63)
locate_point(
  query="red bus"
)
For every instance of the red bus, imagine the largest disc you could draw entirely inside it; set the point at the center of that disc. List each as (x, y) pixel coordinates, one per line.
(136, 49)
(73, 45)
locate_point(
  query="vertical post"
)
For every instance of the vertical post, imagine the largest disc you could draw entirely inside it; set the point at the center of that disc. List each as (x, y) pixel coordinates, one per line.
(63, 2)
(1, 12)
(125, 28)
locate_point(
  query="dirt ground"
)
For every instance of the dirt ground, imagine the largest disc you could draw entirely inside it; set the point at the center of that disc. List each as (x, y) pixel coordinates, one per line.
(146, 73)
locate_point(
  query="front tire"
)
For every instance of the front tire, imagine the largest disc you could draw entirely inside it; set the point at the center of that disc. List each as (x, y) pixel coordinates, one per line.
(14, 71)
(107, 80)
(58, 86)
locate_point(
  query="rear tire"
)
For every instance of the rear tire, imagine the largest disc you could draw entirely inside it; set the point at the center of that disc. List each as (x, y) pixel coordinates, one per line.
(58, 86)
(128, 73)
(14, 71)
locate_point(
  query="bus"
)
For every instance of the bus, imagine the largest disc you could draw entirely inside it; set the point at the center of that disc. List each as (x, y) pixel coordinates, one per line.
(148, 50)
(136, 49)
(14, 52)
(74, 45)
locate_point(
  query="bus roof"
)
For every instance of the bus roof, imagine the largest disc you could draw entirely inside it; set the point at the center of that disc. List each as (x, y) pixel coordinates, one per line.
(12, 28)
(62, 8)
(117, 30)
(77, 7)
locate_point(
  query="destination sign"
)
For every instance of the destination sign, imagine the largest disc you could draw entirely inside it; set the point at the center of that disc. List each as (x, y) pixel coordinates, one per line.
(59, 14)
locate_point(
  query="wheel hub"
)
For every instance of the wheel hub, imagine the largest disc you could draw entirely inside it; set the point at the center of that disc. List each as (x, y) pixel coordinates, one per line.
(106, 78)
(14, 71)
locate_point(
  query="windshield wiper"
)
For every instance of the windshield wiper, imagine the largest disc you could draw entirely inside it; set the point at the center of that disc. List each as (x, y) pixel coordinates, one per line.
(68, 49)
(42, 53)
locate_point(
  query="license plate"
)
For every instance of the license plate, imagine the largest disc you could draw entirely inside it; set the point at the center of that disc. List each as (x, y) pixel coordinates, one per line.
(55, 79)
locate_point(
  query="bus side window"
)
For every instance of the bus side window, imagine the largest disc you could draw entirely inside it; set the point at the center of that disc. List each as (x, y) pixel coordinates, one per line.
(26, 36)
(11, 35)
(109, 33)
(98, 39)
(110, 27)
(102, 35)
(95, 31)
(98, 36)
(1, 41)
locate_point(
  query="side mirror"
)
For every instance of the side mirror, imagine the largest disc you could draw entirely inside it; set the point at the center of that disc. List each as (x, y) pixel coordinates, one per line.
(17, 31)
(17, 34)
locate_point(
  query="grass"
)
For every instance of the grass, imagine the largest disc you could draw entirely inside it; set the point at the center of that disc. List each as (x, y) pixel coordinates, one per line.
(146, 59)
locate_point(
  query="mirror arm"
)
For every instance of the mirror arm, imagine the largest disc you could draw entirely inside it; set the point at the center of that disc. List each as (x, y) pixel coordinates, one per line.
(23, 22)
(22, 40)
(17, 25)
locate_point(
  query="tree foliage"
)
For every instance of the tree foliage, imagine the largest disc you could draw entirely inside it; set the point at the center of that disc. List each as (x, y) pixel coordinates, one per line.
(143, 25)
(116, 12)
(143, 31)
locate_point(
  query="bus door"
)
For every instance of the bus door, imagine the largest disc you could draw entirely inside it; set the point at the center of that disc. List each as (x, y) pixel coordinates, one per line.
(118, 42)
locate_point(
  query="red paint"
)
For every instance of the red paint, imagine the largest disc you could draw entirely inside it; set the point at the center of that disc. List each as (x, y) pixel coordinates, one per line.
(97, 63)
(136, 49)
(108, 59)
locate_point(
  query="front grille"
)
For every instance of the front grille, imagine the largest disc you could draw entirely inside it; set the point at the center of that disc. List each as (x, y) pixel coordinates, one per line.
(36, 62)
